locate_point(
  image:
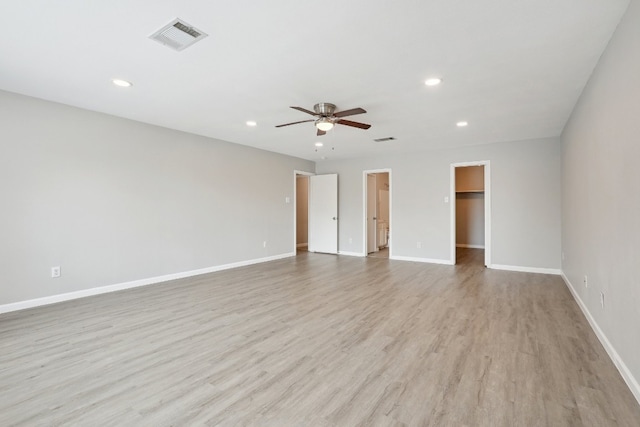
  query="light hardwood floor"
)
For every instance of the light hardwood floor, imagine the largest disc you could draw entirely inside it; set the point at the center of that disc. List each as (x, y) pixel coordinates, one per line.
(382, 253)
(315, 340)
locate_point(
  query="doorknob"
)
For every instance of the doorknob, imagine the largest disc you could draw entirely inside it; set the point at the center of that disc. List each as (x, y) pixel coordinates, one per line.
(334, 218)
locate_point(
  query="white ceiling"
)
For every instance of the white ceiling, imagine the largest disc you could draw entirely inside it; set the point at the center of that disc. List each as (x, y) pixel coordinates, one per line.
(512, 69)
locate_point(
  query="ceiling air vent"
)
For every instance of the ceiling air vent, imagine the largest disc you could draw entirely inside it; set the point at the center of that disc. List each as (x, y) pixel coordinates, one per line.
(177, 35)
(389, 138)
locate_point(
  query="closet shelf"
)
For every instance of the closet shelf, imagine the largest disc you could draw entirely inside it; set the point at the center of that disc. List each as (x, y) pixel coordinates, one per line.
(469, 191)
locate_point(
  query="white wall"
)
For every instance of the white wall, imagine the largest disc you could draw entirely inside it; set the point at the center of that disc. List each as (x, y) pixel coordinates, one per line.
(112, 200)
(525, 196)
(601, 197)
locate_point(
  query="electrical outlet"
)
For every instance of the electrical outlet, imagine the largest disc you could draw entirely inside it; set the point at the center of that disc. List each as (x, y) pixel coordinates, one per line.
(287, 200)
(446, 200)
(419, 245)
(350, 240)
(264, 244)
(586, 283)
(602, 299)
(55, 271)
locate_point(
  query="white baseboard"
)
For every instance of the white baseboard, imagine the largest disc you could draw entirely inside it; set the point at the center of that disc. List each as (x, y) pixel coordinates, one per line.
(360, 254)
(301, 245)
(555, 271)
(464, 245)
(627, 376)
(416, 259)
(21, 305)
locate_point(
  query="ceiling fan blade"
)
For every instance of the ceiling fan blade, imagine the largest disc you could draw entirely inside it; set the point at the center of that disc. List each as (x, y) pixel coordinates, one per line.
(351, 112)
(304, 110)
(295, 123)
(353, 124)
(320, 132)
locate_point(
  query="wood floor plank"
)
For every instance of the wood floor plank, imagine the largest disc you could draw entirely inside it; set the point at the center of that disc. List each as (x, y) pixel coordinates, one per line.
(316, 340)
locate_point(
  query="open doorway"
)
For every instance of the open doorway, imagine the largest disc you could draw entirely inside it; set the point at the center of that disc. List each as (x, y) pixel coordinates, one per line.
(470, 213)
(301, 234)
(377, 210)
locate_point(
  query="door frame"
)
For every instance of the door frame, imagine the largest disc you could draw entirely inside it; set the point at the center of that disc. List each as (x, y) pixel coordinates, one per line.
(295, 207)
(487, 208)
(364, 208)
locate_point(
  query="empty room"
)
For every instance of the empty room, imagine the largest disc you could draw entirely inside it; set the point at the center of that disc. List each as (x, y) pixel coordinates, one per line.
(331, 214)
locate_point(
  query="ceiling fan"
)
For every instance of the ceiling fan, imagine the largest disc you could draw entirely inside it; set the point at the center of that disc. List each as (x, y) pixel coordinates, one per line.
(328, 117)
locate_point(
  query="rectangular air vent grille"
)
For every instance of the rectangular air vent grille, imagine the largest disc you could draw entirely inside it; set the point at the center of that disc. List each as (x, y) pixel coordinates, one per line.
(389, 138)
(178, 35)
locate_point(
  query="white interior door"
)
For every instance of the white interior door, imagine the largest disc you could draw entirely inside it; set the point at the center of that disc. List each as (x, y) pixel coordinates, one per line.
(323, 213)
(372, 225)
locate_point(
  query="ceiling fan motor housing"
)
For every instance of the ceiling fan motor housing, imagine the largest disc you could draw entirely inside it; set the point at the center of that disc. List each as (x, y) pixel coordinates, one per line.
(324, 109)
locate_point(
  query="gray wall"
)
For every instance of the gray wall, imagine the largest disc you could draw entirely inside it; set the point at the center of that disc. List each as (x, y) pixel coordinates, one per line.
(111, 200)
(525, 201)
(470, 219)
(601, 192)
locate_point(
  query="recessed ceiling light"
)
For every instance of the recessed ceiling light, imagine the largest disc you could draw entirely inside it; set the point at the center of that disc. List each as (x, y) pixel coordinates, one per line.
(319, 144)
(462, 124)
(251, 123)
(121, 83)
(434, 81)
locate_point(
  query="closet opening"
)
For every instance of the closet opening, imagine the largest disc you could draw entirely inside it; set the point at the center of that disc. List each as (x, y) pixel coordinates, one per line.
(301, 212)
(470, 214)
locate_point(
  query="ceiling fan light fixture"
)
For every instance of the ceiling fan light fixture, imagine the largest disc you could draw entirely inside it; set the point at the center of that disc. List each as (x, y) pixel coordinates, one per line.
(324, 124)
